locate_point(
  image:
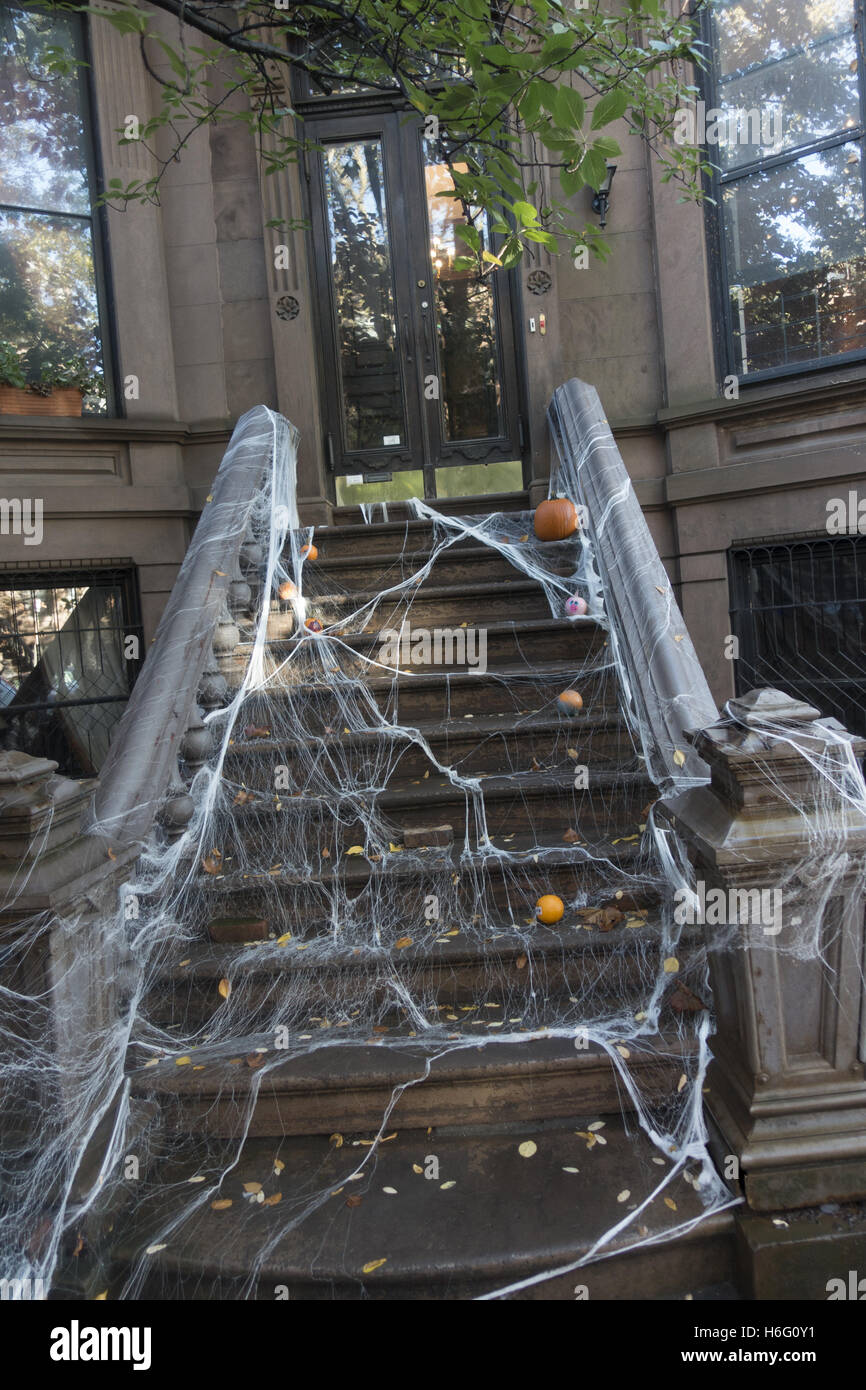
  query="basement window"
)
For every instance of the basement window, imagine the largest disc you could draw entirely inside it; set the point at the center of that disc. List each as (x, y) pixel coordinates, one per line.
(70, 649)
(798, 608)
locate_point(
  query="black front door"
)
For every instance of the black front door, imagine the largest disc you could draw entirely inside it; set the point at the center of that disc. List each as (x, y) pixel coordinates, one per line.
(418, 358)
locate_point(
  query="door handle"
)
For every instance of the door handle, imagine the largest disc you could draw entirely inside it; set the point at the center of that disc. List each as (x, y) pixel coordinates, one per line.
(407, 338)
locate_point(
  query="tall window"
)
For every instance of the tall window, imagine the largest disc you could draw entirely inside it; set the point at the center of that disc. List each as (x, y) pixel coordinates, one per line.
(785, 130)
(49, 304)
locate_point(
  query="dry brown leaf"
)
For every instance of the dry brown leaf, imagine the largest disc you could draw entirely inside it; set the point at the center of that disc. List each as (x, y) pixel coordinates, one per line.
(224, 987)
(274, 1198)
(669, 1202)
(221, 1204)
(402, 941)
(571, 837)
(212, 863)
(252, 1187)
(355, 1200)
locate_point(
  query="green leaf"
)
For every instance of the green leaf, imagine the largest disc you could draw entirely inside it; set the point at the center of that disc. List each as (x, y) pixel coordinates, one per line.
(593, 166)
(607, 146)
(489, 257)
(469, 234)
(611, 106)
(525, 214)
(571, 181)
(569, 108)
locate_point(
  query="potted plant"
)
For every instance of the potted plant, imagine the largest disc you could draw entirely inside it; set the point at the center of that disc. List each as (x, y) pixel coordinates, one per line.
(45, 379)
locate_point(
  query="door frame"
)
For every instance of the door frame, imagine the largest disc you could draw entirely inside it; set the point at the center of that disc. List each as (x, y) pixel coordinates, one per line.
(384, 117)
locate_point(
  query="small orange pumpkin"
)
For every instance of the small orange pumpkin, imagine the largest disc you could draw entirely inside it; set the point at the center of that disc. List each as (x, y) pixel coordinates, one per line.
(556, 519)
(549, 909)
(570, 701)
(287, 589)
(313, 625)
(310, 552)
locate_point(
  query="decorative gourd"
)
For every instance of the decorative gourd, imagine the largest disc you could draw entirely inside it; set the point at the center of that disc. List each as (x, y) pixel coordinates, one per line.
(549, 909)
(287, 589)
(570, 701)
(313, 625)
(556, 519)
(309, 552)
(576, 606)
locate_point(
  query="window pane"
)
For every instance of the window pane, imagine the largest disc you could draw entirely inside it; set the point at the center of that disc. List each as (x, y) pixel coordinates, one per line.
(465, 319)
(796, 254)
(48, 306)
(362, 279)
(43, 149)
(793, 64)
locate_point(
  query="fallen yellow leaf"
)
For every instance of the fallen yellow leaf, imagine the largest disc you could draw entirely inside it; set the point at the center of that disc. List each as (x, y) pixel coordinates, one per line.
(527, 1148)
(224, 988)
(372, 1265)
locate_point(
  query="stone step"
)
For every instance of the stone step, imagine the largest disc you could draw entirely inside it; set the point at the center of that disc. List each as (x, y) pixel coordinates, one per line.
(482, 605)
(296, 898)
(505, 1079)
(546, 805)
(495, 974)
(453, 566)
(404, 531)
(415, 697)
(486, 744)
(485, 1218)
(307, 657)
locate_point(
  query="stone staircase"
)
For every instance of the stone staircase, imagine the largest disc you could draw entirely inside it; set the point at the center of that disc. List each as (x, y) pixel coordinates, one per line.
(454, 1202)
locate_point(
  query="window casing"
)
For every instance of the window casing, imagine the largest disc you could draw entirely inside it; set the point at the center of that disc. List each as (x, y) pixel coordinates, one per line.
(53, 291)
(790, 85)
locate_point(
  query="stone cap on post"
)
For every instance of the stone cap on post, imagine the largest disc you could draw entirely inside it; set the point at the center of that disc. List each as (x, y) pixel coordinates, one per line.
(765, 756)
(46, 861)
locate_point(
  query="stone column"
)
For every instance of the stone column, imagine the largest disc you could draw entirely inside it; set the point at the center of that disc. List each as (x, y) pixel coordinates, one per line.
(786, 1084)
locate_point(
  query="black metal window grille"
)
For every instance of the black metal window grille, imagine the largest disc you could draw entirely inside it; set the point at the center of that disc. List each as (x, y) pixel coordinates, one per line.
(798, 610)
(67, 663)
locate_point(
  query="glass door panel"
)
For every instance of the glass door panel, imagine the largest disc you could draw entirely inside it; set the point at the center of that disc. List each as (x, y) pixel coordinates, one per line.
(362, 282)
(465, 313)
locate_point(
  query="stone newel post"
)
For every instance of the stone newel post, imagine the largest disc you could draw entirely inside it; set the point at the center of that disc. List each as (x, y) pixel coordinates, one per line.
(786, 1084)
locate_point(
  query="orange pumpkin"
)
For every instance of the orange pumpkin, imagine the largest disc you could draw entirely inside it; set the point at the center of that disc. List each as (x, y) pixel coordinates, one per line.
(313, 625)
(570, 701)
(549, 909)
(310, 552)
(556, 519)
(287, 589)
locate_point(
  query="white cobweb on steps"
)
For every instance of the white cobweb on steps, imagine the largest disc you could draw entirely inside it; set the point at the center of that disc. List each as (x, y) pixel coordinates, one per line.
(298, 823)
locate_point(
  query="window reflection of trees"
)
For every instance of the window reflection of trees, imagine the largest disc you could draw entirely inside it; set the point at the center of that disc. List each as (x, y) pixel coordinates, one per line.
(48, 296)
(362, 278)
(794, 233)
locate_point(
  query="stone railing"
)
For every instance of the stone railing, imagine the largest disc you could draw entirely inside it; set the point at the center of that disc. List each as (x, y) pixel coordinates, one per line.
(661, 675)
(181, 677)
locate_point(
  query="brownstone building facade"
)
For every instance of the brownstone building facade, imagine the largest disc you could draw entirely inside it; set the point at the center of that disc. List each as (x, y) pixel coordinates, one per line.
(727, 342)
